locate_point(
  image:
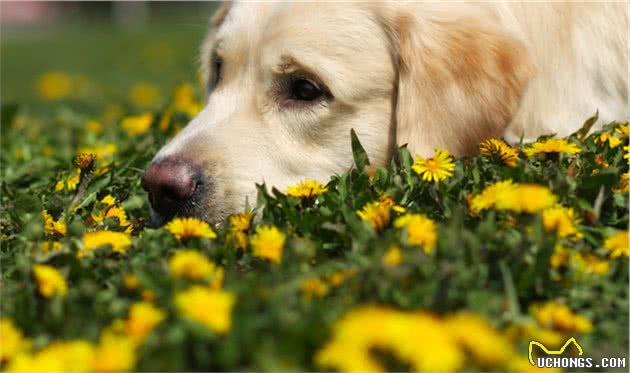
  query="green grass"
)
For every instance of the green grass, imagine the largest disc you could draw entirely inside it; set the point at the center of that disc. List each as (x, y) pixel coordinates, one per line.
(494, 265)
(163, 53)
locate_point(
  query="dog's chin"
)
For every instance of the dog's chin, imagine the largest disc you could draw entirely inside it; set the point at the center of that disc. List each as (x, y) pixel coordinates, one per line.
(156, 220)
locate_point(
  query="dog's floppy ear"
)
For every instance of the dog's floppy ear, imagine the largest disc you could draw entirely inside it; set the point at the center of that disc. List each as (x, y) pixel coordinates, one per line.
(460, 77)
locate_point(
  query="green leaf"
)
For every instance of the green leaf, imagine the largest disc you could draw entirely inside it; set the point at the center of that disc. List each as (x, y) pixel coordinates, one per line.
(358, 153)
(406, 159)
(586, 127)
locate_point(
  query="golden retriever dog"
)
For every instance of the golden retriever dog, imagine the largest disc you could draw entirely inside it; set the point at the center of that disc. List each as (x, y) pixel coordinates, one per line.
(288, 81)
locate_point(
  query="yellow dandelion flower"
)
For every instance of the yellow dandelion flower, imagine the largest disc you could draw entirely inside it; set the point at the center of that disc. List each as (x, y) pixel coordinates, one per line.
(561, 219)
(50, 282)
(488, 197)
(376, 214)
(53, 227)
(58, 356)
(529, 198)
(69, 183)
(530, 330)
(36, 362)
(346, 357)
(85, 161)
(239, 238)
(114, 353)
(505, 195)
(590, 264)
(131, 281)
(421, 231)
(184, 100)
(54, 85)
(392, 257)
(193, 109)
(499, 149)
(94, 126)
(144, 95)
(306, 189)
(118, 241)
(148, 295)
(22, 153)
(363, 329)
(191, 264)
(183, 228)
(19, 154)
(552, 146)
(613, 141)
(476, 335)
(210, 307)
(239, 225)
(339, 277)
(77, 355)
(622, 129)
(47, 247)
(13, 341)
(558, 316)
(138, 124)
(103, 151)
(142, 319)
(72, 182)
(399, 209)
(165, 119)
(434, 169)
(548, 337)
(521, 364)
(241, 221)
(389, 201)
(622, 187)
(109, 200)
(184, 94)
(617, 244)
(268, 243)
(113, 211)
(314, 287)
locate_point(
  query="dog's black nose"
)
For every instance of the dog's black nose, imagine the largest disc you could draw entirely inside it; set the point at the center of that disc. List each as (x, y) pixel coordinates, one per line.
(171, 183)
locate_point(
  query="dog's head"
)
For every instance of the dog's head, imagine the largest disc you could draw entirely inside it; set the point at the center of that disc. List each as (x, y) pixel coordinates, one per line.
(287, 82)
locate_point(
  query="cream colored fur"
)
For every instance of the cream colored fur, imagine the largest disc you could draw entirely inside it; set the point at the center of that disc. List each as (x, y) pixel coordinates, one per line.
(434, 74)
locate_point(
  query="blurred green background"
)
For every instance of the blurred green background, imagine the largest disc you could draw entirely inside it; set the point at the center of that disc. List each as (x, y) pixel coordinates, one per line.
(98, 50)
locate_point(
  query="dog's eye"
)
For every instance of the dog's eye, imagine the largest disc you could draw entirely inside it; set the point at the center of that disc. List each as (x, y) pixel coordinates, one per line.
(304, 90)
(217, 65)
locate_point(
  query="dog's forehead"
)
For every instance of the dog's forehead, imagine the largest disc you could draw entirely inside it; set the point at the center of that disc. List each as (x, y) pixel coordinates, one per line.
(243, 18)
(256, 22)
